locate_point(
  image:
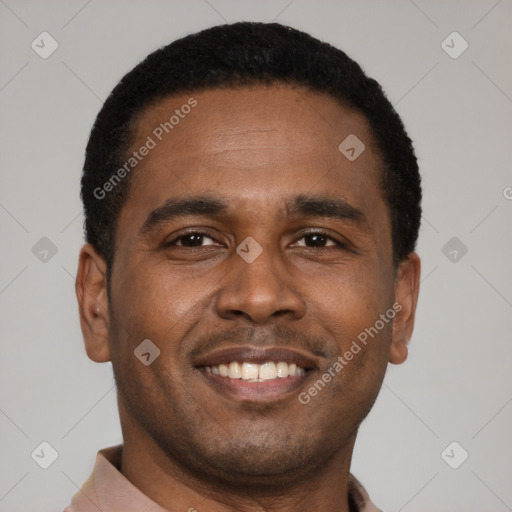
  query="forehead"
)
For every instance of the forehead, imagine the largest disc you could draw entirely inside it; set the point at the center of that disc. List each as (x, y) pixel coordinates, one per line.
(270, 134)
(277, 115)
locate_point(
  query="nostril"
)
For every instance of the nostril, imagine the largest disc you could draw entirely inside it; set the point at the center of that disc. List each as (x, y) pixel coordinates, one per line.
(282, 312)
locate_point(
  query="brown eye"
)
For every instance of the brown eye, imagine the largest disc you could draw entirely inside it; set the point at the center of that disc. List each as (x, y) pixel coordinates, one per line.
(192, 239)
(318, 239)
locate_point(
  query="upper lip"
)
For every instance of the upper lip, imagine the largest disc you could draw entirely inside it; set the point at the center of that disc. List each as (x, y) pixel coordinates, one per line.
(256, 355)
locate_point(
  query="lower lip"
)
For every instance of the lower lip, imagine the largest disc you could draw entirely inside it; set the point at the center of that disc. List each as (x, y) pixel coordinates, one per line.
(256, 391)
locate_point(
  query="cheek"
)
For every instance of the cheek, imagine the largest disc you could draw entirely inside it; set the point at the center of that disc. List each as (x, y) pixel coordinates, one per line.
(147, 297)
(149, 315)
(349, 306)
(354, 296)
(153, 301)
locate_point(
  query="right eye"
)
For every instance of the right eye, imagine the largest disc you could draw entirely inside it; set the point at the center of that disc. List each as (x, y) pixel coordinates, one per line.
(191, 239)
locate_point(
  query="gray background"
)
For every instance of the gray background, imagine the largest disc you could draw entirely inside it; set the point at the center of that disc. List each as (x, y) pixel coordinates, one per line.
(456, 384)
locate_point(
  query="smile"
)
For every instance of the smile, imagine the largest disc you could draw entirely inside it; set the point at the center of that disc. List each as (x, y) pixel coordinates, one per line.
(257, 373)
(253, 372)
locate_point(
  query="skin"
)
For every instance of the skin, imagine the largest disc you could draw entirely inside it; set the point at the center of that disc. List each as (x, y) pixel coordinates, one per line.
(187, 444)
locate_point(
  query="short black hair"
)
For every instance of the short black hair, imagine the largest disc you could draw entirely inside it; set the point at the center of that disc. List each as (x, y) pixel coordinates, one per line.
(246, 54)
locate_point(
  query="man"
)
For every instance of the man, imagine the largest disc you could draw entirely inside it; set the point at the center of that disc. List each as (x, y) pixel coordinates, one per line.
(252, 205)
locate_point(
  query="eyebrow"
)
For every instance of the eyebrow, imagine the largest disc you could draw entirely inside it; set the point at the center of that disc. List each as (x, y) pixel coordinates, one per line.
(204, 206)
(200, 206)
(308, 206)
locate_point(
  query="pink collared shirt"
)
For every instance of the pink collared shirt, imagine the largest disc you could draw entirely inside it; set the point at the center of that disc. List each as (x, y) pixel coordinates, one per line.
(108, 490)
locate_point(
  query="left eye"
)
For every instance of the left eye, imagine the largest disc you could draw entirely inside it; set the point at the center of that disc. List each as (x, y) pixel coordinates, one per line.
(317, 239)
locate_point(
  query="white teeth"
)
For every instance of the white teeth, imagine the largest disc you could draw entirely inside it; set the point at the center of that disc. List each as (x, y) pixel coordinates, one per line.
(268, 371)
(254, 372)
(235, 370)
(282, 369)
(249, 371)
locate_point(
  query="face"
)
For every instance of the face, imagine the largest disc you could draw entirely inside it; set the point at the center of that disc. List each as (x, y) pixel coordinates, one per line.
(253, 254)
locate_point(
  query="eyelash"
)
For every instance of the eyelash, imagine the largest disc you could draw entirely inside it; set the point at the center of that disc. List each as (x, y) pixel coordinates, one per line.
(339, 245)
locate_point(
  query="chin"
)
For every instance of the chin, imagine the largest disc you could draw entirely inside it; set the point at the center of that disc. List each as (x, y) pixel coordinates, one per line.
(257, 465)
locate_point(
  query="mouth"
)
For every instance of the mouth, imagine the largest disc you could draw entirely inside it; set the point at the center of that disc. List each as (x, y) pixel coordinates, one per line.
(253, 372)
(250, 373)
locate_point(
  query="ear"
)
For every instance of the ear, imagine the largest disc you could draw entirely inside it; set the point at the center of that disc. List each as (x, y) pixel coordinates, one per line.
(91, 292)
(407, 287)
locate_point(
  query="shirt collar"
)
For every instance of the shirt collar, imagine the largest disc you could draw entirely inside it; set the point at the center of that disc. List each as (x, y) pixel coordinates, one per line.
(108, 490)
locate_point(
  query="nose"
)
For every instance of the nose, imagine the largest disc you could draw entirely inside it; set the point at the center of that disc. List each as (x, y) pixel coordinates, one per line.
(259, 291)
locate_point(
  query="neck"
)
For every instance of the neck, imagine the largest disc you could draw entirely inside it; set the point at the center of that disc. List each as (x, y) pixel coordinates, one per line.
(173, 487)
